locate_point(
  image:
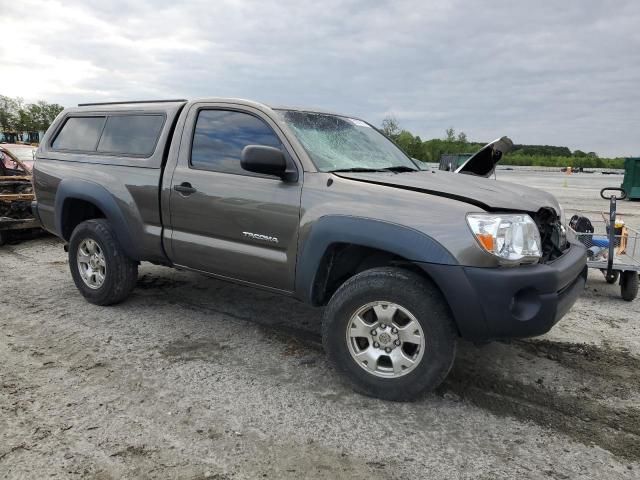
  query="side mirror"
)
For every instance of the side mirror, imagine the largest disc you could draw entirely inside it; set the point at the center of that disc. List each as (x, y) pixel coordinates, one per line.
(264, 159)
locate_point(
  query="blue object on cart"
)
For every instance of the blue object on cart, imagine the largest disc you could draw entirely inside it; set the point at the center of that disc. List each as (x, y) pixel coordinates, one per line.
(600, 241)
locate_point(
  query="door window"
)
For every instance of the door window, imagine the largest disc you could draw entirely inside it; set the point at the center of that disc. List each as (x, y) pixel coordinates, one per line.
(220, 136)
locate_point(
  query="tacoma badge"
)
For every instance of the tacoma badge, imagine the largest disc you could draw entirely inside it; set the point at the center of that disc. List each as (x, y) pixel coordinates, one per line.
(257, 236)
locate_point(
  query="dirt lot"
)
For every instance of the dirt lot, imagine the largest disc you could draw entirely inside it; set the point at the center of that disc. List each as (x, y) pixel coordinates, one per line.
(195, 378)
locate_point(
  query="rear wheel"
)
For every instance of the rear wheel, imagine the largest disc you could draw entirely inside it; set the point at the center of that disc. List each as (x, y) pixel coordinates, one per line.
(100, 269)
(390, 332)
(629, 285)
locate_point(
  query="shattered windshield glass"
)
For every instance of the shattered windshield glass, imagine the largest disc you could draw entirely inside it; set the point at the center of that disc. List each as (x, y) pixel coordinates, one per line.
(339, 143)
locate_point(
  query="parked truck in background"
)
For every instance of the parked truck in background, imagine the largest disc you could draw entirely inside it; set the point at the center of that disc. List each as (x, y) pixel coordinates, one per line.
(314, 205)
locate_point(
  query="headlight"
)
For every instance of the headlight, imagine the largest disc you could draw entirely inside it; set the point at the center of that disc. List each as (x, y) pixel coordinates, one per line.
(513, 238)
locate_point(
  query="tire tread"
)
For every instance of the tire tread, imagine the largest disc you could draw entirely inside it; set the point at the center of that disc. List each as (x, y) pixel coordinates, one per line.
(122, 272)
(629, 285)
(399, 283)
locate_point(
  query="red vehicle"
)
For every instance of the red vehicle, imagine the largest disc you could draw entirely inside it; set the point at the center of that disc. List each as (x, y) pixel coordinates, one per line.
(24, 153)
(16, 191)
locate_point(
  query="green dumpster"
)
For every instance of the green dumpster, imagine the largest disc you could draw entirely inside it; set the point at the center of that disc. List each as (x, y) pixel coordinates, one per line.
(631, 182)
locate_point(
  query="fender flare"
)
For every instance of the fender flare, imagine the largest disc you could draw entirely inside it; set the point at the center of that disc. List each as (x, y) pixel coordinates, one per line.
(96, 194)
(397, 239)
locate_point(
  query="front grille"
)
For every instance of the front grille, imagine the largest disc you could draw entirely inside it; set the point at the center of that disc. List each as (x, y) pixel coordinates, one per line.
(552, 234)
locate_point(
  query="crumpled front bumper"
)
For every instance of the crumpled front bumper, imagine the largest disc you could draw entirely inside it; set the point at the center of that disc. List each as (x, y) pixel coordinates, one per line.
(511, 302)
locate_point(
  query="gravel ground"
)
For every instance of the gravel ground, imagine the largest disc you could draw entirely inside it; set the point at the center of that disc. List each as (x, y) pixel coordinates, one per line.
(195, 378)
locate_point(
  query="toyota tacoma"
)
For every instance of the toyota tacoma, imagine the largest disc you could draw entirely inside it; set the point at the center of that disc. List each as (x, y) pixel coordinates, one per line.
(314, 205)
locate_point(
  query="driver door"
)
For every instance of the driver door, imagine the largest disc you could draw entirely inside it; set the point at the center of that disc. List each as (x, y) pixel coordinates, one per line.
(227, 221)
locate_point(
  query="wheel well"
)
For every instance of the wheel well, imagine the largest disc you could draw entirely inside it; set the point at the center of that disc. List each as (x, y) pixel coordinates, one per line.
(342, 261)
(76, 211)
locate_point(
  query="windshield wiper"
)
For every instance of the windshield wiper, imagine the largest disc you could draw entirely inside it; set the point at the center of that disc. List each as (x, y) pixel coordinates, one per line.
(395, 169)
(358, 169)
(400, 168)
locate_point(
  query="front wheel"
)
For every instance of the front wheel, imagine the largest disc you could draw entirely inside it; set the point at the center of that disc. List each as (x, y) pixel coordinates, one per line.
(103, 274)
(390, 332)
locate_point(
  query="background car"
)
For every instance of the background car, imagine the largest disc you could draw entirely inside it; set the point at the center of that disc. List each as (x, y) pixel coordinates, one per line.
(24, 153)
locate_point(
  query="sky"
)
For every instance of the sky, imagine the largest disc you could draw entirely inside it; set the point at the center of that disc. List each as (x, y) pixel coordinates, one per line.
(542, 72)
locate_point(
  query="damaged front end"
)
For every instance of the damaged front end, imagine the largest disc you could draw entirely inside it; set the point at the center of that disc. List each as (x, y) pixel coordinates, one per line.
(553, 234)
(16, 195)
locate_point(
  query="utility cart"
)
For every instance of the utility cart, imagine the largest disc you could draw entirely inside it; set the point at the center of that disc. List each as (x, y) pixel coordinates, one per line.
(612, 247)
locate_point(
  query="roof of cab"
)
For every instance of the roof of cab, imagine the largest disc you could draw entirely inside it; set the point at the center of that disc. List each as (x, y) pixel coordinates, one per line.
(141, 104)
(180, 100)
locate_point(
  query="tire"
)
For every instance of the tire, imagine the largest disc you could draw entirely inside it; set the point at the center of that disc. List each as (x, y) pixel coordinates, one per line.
(613, 278)
(629, 285)
(418, 300)
(120, 273)
(3, 238)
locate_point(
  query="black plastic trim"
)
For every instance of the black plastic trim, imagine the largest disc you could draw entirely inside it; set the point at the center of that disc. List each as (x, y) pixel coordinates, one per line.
(101, 198)
(490, 303)
(396, 239)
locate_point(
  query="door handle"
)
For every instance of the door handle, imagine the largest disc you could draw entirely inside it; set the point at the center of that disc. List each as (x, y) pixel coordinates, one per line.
(185, 188)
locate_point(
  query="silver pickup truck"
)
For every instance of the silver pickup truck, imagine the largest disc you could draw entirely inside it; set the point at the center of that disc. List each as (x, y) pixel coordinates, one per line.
(314, 205)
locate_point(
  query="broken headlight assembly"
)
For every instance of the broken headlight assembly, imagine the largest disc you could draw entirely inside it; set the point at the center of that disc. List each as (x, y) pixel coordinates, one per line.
(513, 238)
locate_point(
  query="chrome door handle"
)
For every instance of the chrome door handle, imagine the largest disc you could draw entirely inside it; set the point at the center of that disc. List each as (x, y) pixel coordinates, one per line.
(185, 188)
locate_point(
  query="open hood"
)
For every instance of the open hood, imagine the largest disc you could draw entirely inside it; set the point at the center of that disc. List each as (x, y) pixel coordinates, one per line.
(483, 163)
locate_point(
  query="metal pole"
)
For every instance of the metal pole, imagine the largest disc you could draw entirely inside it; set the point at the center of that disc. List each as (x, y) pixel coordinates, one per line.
(612, 234)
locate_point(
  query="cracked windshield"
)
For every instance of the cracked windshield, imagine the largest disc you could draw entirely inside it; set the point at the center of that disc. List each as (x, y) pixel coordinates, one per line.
(337, 143)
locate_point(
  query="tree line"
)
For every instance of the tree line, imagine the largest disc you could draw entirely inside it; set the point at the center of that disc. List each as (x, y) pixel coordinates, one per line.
(18, 117)
(525, 155)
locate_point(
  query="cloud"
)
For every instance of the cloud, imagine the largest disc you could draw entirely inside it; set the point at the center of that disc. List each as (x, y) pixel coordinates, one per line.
(564, 73)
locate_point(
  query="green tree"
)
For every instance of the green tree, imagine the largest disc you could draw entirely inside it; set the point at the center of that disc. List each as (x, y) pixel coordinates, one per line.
(450, 135)
(8, 113)
(49, 112)
(17, 117)
(390, 127)
(525, 155)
